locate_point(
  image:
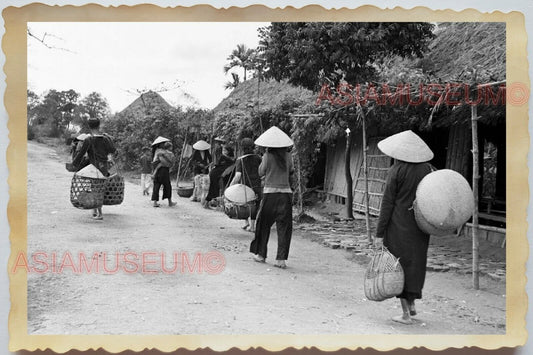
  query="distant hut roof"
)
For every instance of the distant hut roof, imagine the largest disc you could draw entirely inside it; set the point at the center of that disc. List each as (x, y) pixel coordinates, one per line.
(146, 102)
(245, 98)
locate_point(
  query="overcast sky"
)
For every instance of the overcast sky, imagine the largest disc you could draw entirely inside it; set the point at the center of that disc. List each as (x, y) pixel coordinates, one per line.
(116, 59)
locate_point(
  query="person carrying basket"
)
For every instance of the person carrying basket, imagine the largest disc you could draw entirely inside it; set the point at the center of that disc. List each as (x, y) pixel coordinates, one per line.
(99, 148)
(276, 205)
(397, 229)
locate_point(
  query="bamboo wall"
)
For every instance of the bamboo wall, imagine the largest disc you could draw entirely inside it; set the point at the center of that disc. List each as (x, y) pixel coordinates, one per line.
(335, 179)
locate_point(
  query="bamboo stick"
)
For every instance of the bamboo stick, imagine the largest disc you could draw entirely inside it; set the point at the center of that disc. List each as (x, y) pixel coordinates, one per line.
(475, 216)
(365, 170)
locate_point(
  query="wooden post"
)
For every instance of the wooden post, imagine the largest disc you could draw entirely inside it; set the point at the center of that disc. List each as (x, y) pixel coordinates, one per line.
(300, 190)
(475, 215)
(365, 171)
(348, 173)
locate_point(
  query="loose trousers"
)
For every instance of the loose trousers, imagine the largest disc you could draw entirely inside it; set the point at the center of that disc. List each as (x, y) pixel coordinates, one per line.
(275, 207)
(162, 178)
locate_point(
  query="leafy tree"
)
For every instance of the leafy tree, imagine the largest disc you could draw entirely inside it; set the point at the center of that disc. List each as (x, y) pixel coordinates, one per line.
(242, 57)
(56, 109)
(95, 105)
(310, 54)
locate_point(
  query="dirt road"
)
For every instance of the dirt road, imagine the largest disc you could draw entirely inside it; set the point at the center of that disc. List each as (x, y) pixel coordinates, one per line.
(319, 293)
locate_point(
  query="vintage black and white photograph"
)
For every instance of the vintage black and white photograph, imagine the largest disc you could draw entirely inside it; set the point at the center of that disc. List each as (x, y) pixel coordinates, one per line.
(243, 178)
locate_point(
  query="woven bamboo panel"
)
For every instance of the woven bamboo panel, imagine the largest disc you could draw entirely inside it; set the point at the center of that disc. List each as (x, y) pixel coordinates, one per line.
(87, 193)
(114, 190)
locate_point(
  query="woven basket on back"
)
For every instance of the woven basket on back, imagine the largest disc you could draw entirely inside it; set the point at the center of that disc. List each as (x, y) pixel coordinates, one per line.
(114, 190)
(86, 192)
(384, 276)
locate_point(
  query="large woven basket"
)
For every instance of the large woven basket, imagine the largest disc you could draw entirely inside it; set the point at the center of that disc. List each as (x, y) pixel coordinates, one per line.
(114, 190)
(444, 202)
(86, 192)
(240, 210)
(384, 276)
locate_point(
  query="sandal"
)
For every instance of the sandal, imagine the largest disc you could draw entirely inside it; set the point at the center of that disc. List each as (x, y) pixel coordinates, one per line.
(156, 205)
(98, 218)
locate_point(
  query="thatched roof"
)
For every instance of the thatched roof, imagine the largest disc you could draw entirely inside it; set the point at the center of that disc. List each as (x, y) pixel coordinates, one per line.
(146, 103)
(245, 98)
(460, 47)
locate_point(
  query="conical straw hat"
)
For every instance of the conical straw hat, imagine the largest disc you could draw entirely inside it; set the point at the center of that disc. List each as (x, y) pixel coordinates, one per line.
(274, 138)
(201, 145)
(406, 146)
(160, 140)
(90, 171)
(82, 136)
(239, 193)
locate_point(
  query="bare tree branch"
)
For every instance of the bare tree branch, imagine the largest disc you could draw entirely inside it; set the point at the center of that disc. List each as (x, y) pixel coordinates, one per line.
(45, 43)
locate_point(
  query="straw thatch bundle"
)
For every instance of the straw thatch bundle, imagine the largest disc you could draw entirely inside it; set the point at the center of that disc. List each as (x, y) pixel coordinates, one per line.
(444, 202)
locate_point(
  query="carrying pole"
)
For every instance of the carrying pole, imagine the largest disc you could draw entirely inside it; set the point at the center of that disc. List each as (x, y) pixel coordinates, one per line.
(181, 158)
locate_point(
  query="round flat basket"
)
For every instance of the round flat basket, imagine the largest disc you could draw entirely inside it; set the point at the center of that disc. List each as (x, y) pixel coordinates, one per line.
(114, 190)
(87, 193)
(240, 211)
(384, 277)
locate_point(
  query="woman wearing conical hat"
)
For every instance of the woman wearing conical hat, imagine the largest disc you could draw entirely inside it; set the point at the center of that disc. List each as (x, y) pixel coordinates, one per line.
(276, 206)
(200, 160)
(162, 161)
(397, 228)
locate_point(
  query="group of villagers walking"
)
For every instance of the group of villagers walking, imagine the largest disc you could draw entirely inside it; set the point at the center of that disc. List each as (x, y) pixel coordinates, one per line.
(269, 177)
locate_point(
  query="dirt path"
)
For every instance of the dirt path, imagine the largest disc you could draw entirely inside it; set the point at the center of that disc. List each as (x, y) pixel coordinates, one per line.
(321, 292)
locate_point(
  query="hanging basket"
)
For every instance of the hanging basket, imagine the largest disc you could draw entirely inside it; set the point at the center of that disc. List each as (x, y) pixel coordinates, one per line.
(240, 210)
(87, 192)
(114, 190)
(384, 276)
(185, 189)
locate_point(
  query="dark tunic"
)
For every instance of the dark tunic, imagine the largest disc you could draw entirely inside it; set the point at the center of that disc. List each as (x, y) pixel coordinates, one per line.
(97, 148)
(146, 164)
(199, 164)
(216, 180)
(398, 227)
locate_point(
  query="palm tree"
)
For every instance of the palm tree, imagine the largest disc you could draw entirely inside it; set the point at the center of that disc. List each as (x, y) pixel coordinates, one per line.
(242, 57)
(232, 84)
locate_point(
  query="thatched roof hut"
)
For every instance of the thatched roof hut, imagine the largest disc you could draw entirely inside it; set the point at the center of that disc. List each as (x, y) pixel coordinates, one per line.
(457, 50)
